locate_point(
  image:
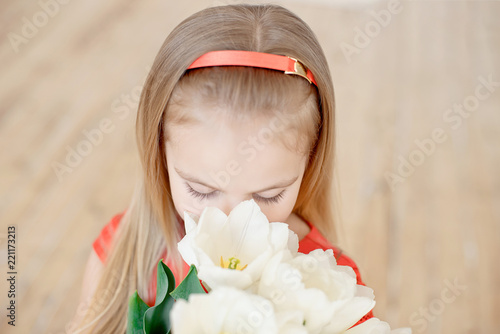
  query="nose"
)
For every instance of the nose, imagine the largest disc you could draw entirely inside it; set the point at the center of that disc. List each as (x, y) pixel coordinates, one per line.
(230, 203)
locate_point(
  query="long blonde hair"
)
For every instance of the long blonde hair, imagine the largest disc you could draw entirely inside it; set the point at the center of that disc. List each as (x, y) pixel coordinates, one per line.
(151, 225)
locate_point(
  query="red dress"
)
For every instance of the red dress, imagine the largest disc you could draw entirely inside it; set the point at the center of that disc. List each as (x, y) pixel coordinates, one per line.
(313, 240)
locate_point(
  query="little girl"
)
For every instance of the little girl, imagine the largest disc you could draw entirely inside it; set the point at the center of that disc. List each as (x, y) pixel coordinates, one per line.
(238, 104)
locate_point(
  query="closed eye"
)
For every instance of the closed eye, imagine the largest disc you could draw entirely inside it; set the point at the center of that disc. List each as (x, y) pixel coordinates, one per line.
(269, 200)
(199, 195)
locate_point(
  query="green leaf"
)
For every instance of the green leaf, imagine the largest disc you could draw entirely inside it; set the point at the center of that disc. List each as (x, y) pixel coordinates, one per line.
(190, 284)
(136, 309)
(157, 318)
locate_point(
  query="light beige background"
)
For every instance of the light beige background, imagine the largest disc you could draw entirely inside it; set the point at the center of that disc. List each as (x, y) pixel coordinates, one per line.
(439, 226)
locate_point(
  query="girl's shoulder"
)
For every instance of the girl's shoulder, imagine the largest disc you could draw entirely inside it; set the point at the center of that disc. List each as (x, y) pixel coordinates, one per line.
(102, 243)
(313, 240)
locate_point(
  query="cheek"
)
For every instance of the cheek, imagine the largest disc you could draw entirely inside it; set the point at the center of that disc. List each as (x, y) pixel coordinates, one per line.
(279, 212)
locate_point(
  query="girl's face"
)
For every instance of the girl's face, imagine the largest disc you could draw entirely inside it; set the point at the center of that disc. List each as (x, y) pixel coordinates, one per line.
(220, 164)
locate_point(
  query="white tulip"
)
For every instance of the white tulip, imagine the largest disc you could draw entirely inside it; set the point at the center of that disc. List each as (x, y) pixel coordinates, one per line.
(224, 310)
(314, 284)
(233, 250)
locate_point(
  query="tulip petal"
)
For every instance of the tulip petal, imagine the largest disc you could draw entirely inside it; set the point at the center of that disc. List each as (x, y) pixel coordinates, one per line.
(190, 222)
(248, 229)
(373, 326)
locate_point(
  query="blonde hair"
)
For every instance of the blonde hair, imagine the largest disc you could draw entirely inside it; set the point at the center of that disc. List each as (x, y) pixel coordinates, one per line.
(151, 225)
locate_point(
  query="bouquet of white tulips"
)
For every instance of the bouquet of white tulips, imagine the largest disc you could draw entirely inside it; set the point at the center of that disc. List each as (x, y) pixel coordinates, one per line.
(247, 276)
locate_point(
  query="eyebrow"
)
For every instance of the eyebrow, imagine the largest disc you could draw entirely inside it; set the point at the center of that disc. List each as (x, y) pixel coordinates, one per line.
(281, 184)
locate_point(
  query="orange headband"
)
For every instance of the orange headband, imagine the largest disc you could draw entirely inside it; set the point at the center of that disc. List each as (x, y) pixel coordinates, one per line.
(286, 64)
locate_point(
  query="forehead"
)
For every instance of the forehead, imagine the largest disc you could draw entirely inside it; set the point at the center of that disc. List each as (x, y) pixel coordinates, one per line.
(250, 152)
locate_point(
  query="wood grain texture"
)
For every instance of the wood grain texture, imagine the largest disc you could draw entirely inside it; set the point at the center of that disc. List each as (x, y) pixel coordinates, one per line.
(437, 228)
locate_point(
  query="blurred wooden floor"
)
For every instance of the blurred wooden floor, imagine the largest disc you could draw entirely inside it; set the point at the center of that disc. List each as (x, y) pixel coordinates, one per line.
(439, 226)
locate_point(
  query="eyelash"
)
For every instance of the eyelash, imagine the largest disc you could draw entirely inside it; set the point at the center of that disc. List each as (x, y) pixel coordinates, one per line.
(270, 200)
(265, 200)
(198, 194)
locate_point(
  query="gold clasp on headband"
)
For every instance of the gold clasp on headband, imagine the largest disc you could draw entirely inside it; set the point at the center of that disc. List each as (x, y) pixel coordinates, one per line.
(298, 69)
